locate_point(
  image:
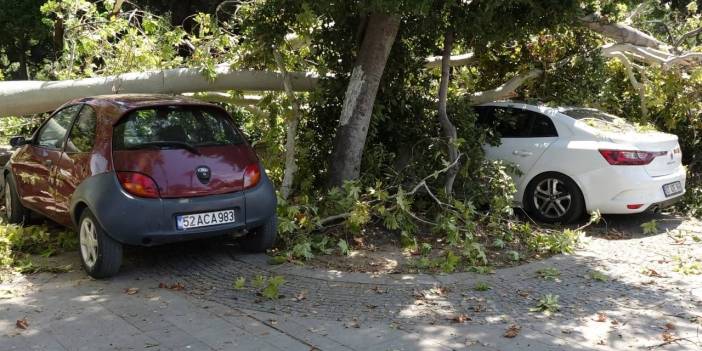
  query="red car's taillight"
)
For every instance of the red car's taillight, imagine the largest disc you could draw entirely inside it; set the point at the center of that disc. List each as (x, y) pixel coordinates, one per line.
(630, 157)
(252, 175)
(138, 184)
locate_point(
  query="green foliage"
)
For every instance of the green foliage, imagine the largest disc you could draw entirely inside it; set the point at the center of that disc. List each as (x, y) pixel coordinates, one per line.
(258, 281)
(549, 273)
(563, 242)
(239, 283)
(482, 286)
(17, 242)
(449, 262)
(650, 227)
(598, 276)
(425, 249)
(687, 265)
(343, 247)
(272, 290)
(16, 126)
(548, 304)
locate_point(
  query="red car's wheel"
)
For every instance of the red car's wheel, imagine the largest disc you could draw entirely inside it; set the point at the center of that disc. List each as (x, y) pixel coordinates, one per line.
(100, 254)
(16, 213)
(261, 238)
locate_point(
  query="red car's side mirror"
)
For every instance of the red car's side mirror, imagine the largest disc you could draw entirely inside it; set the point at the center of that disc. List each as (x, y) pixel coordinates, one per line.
(18, 141)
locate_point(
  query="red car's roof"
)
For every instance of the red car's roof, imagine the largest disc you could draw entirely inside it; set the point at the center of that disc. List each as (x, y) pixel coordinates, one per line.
(114, 106)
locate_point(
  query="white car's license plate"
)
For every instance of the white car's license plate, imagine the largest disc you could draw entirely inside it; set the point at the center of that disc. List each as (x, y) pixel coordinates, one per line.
(204, 219)
(671, 189)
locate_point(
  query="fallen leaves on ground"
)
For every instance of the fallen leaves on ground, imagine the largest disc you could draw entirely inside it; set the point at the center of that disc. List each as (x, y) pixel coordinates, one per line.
(379, 290)
(302, 295)
(652, 273)
(352, 324)
(667, 335)
(176, 286)
(461, 318)
(512, 331)
(601, 317)
(131, 291)
(22, 323)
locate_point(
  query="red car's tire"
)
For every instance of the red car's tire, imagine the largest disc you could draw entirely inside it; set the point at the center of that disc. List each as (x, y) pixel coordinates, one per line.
(101, 255)
(16, 213)
(261, 238)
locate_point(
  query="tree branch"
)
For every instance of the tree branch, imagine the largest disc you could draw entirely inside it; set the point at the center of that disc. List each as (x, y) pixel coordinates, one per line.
(456, 60)
(686, 36)
(291, 124)
(117, 8)
(505, 90)
(621, 33)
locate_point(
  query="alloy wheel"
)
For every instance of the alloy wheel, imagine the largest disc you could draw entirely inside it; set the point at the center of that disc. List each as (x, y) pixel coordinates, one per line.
(551, 198)
(88, 242)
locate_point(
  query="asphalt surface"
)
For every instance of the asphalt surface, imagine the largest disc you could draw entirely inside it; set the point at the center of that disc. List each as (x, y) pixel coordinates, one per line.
(181, 297)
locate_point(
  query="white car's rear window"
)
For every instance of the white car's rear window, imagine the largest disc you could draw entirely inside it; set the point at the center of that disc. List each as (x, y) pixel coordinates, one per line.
(604, 121)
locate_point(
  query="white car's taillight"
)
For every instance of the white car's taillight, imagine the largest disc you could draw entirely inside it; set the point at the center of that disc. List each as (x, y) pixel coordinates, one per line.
(630, 157)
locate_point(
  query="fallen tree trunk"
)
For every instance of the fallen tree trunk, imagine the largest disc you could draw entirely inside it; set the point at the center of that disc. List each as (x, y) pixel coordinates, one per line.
(27, 97)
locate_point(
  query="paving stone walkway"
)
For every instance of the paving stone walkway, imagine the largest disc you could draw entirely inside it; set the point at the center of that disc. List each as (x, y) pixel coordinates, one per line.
(644, 303)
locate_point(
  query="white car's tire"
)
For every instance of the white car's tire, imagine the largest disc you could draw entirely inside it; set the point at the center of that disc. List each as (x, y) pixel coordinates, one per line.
(554, 198)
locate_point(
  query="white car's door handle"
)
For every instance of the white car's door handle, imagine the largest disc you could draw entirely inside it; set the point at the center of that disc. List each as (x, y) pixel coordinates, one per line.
(522, 153)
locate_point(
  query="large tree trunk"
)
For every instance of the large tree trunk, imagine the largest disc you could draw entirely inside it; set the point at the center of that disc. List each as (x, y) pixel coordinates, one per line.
(27, 97)
(448, 128)
(360, 96)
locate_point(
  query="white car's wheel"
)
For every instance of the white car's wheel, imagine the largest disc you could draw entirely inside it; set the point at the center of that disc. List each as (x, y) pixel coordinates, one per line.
(554, 198)
(100, 254)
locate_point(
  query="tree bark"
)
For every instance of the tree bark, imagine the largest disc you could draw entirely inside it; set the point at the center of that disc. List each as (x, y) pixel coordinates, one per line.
(506, 90)
(621, 33)
(360, 95)
(448, 128)
(19, 98)
(454, 61)
(117, 8)
(291, 124)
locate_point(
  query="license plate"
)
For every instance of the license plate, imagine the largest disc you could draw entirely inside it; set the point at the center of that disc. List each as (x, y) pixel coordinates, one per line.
(204, 219)
(672, 189)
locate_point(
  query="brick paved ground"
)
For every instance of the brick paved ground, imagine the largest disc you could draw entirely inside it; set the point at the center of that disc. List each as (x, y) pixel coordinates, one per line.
(642, 299)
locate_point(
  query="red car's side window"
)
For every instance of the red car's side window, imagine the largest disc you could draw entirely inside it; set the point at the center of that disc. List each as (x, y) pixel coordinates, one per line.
(53, 132)
(82, 136)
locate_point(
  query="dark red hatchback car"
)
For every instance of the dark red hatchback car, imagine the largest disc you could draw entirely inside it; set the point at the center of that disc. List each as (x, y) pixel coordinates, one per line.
(141, 170)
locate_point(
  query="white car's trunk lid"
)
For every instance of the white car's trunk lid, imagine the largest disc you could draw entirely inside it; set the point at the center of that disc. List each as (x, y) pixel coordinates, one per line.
(663, 164)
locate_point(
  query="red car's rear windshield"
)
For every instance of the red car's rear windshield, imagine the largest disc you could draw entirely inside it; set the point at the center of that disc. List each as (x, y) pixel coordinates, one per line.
(192, 126)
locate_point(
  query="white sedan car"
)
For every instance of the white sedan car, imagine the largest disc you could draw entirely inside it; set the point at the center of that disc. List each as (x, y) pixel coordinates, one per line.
(573, 160)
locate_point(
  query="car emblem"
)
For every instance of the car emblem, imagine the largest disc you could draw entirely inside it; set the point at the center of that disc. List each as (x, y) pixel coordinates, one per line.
(203, 174)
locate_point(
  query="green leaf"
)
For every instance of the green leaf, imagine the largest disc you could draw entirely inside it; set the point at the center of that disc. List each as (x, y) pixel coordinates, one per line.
(239, 283)
(343, 247)
(272, 290)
